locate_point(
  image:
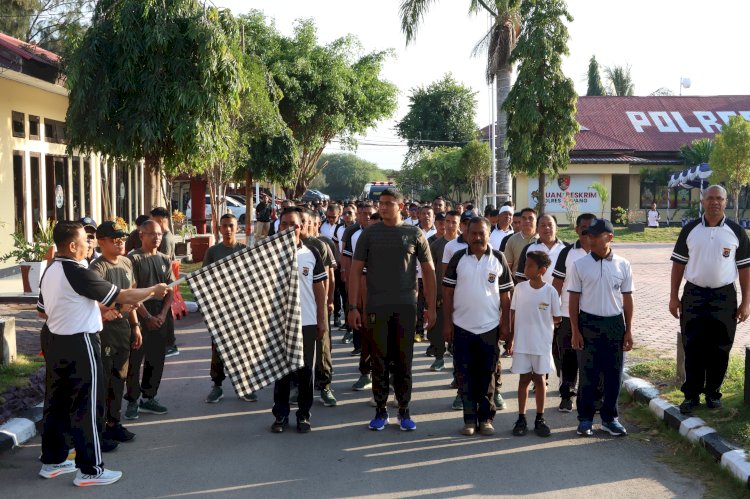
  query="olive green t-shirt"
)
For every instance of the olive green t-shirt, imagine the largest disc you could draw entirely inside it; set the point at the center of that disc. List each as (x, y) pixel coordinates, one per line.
(115, 332)
(219, 251)
(151, 269)
(167, 244)
(391, 255)
(436, 248)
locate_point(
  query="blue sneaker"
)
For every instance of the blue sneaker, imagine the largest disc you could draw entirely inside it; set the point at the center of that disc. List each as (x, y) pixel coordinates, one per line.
(407, 424)
(380, 421)
(585, 428)
(614, 428)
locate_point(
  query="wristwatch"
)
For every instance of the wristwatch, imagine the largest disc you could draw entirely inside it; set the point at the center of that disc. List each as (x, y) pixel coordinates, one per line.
(351, 307)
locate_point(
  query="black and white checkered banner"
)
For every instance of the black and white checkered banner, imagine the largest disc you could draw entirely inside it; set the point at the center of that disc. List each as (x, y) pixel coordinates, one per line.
(250, 302)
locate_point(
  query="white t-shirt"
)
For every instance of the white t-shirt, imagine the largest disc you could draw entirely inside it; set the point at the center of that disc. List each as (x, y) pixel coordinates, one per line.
(311, 270)
(326, 229)
(412, 221)
(653, 218)
(601, 282)
(497, 236)
(453, 247)
(533, 320)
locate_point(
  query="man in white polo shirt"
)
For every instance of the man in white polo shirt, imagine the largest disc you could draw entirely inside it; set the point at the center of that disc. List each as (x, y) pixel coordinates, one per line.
(565, 357)
(476, 308)
(504, 227)
(601, 314)
(710, 254)
(548, 243)
(313, 300)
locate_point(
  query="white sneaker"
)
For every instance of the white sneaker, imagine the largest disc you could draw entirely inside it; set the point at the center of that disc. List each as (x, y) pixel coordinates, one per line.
(106, 477)
(52, 470)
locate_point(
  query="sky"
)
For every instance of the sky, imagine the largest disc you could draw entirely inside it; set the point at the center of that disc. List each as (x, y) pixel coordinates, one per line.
(662, 41)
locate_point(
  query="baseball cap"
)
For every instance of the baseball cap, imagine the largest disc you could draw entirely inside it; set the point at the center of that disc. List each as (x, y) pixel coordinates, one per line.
(439, 216)
(599, 226)
(467, 215)
(109, 229)
(87, 222)
(506, 209)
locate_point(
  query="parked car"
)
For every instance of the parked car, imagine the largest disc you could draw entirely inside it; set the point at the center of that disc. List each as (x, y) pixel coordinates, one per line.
(312, 195)
(234, 206)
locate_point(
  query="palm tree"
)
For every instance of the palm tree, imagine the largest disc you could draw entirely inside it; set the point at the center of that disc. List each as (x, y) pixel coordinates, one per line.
(620, 81)
(499, 42)
(697, 152)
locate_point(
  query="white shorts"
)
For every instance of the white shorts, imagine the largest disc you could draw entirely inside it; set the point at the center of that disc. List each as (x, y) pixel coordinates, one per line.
(524, 363)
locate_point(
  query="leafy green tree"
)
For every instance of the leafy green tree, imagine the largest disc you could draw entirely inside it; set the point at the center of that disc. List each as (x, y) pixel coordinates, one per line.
(619, 80)
(476, 166)
(595, 86)
(730, 158)
(602, 192)
(439, 114)
(697, 152)
(542, 103)
(346, 174)
(498, 44)
(437, 172)
(155, 80)
(329, 91)
(47, 23)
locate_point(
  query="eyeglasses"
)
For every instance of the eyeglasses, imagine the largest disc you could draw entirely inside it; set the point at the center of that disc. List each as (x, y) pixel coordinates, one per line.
(114, 240)
(90, 237)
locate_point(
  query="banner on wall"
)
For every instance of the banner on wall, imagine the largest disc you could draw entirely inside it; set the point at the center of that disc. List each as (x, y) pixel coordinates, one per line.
(575, 186)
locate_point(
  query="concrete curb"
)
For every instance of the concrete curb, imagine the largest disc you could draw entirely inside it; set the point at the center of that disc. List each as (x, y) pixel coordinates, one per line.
(17, 431)
(692, 428)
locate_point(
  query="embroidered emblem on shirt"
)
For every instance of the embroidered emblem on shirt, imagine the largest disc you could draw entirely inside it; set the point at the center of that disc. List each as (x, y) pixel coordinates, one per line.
(726, 252)
(305, 271)
(491, 278)
(616, 286)
(543, 306)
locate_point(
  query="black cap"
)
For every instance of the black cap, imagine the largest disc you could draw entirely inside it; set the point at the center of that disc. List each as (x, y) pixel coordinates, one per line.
(87, 222)
(599, 226)
(467, 215)
(109, 229)
(439, 216)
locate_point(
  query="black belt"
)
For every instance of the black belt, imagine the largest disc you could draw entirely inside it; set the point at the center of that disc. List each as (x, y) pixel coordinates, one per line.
(711, 289)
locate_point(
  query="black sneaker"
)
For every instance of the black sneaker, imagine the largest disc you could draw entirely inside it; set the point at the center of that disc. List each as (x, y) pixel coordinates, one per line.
(430, 352)
(119, 433)
(303, 426)
(541, 428)
(566, 405)
(279, 425)
(688, 405)
(108, 445)
(713, 403)
(356, 352)
(521, 427)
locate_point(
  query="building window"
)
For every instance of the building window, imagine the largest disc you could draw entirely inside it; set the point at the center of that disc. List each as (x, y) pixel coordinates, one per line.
(34, 127)
(19, 125)
(18, 192)
(54, 131)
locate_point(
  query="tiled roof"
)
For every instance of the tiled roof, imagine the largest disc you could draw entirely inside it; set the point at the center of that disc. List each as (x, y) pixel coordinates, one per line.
(27, 50)
(622, 159)
(650, 125)
(653, 124)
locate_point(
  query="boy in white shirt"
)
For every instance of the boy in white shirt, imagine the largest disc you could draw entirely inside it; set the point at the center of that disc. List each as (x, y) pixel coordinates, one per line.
(534, 309)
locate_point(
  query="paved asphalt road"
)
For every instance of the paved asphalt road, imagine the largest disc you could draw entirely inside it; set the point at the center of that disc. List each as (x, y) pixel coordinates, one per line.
(226, 450)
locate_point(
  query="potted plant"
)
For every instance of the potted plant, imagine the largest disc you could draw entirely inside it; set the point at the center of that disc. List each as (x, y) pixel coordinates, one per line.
(31, 256)
(185, 231)
(620, 216)
(635, 221)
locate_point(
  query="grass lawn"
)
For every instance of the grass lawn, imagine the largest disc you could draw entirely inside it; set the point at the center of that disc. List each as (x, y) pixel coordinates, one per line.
(17, 373)
(624, 235)
(681, 455)
(731, 421)
(186, 268)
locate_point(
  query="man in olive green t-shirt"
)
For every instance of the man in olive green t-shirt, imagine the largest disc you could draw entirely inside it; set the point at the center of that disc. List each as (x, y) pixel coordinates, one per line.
(391, 250)
(518, 241)
(150, 267)
(227, 246)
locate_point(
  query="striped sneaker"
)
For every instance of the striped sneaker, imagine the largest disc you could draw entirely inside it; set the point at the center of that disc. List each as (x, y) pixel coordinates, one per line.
(106, 477)
(53, 470)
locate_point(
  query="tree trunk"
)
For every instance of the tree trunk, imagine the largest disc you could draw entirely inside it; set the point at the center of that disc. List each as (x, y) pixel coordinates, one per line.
(151, 181)
(737, 205)
(504, 183)
(540, 207)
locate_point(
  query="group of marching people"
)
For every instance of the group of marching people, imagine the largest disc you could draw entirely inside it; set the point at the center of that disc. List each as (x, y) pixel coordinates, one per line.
(468, 284)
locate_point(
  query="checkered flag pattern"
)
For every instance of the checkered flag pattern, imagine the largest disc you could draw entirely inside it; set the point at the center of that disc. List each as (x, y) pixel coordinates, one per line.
(250, 302)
